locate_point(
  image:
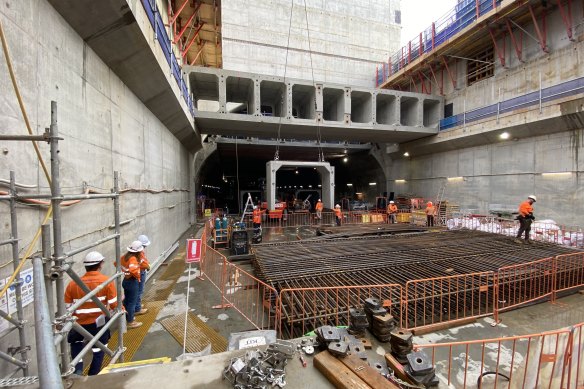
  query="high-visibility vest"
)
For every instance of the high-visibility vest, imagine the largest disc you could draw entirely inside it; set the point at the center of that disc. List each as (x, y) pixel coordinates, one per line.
(88, 312)
(130, 266)
(143, 261)
(338, 212)
(319, 206)
(525, 208)
(257, 216)
(392, 208)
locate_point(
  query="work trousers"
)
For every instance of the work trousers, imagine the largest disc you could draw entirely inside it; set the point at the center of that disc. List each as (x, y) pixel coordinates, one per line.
(430, 220)
(140, 290)
(78, 342)
(391, 218)
(338, 220)
(524, 226)
(319, 214)
(130, 286)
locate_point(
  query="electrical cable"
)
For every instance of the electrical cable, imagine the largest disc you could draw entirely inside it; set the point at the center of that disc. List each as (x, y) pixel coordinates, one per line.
(277, 154)
(480, 379)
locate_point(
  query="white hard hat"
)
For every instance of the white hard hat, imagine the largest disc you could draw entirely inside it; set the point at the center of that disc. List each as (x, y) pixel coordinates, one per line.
(337, 206)
(532, 197)
(144, 240)
(255, 207)
(93, 258)
(136, 247)
(391, 202)
(318, 199)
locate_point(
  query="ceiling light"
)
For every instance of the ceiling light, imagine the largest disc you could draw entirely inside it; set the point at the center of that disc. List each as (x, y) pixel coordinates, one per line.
(320, 186)
(310, 186)
(406, 154)
(345, 151)
(372, 183)
(345, 159)
(504, 135)
(400, 180)
(296, 172)
(349, 184)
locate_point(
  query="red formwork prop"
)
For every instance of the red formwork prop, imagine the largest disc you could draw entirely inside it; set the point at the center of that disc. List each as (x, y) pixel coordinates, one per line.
(524, 283)
(529, 361)
(304, 309)
(444, 299)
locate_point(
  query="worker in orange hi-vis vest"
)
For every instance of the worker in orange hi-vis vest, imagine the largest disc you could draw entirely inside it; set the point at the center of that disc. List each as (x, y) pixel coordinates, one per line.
(130, 264)
(257, 217)
(338, 214)
(430, 213)
(525, 218)
(144, 268)
(89, 315)
(319, 207)
(391, 212)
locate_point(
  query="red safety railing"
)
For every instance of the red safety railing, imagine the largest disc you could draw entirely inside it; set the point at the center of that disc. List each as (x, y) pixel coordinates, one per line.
(524, 283)
(574, 372)
(445, 299)
(530, 361)
(569, 272)
(304, 309)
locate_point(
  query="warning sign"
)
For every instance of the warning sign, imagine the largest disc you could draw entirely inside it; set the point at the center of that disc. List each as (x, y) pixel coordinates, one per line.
(194, 250)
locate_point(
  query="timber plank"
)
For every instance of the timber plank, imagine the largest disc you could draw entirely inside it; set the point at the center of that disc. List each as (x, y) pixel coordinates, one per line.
(337, 373)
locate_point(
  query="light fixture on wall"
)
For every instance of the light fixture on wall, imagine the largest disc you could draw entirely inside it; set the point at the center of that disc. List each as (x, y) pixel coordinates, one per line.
(504, 135)
(556, 174)
(400, 181)
(455, 178)
(345, 160)
(372, 183)
(406, 154)
(349, 184)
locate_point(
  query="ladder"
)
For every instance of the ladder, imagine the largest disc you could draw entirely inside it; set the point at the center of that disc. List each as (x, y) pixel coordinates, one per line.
(247, 208)
(441, 214)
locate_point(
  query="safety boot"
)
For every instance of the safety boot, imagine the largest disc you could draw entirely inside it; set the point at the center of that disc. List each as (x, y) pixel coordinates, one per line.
(133, 324)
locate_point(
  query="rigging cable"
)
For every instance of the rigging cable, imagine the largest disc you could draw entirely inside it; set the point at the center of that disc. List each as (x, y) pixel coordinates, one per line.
(277, 154)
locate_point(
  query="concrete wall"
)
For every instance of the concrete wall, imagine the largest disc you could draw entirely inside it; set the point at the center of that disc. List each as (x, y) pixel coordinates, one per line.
(348, 38)
(105, 128)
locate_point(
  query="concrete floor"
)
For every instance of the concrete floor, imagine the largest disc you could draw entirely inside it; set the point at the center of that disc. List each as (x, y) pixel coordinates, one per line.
(532, 319)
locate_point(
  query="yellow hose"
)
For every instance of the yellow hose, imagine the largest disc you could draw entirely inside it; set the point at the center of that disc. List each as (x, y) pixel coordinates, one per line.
(38, 153)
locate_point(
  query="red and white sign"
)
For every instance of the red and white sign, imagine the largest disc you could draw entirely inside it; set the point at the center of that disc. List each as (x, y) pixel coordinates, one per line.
(194, 250)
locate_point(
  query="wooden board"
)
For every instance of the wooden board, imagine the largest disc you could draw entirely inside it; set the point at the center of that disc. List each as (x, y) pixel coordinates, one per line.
(368, 374)
(397, 368)
(337, 373)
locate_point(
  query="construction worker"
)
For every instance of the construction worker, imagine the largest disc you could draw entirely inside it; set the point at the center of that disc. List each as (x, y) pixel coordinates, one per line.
(430, 213)
(257, 217)
(89, 316)
(338, 214)
(130, 263)
(391, 212)
(525, 218)
(144, 267)
(319, 207)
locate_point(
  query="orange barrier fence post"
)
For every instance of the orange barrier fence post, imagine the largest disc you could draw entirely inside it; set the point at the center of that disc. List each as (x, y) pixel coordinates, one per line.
(444, 299)
(569, 272)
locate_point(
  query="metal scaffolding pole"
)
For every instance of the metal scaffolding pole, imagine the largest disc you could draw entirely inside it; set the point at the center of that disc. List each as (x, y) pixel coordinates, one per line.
(49, 374)
(18, 284)
(122, 318)
(46, 249)
(57, 237)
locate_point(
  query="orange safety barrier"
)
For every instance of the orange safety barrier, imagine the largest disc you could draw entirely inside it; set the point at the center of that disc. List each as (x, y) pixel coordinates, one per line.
(574, 372)
(523, 283)
(569, 272)
(530, 361)
(444, 299)
(303, 309)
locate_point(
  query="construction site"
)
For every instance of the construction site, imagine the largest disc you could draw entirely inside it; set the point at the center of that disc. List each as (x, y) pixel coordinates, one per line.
(291, 193)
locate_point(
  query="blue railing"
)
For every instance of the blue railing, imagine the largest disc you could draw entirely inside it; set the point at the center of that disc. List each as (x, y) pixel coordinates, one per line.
(458, 18)
(564, 89)
(163, 39)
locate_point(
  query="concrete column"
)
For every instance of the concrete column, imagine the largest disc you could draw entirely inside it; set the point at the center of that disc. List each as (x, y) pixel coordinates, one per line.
(271, 169)
(374, 108)
(319, 102)
(347, 116)
(397, 110)
(257, 102)
(328, 185)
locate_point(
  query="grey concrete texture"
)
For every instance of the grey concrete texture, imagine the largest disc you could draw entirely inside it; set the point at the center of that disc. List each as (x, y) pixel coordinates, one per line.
(297, 107)
(348, 39)
(105, 127)
(119, 32)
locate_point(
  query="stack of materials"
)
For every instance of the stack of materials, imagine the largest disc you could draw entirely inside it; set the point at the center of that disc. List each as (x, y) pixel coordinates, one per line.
(382, 323)
(417, 365)
(358, 322)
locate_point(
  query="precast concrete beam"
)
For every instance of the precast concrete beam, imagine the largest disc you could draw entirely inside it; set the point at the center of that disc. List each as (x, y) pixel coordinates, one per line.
(248, 104)
(326, 171)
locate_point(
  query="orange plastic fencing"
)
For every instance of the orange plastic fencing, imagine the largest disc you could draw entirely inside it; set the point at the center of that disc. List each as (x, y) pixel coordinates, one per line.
(444, 299)
(304, 309)
(523, 283)
(530, 361)
(569, 272)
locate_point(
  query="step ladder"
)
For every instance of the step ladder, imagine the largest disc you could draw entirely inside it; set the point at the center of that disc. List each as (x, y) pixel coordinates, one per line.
(440, 212)
(247, 208)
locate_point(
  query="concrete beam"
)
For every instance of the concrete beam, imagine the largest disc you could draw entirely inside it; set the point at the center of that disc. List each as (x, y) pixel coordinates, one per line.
(248, 104)
(121, 35)
(290, 143)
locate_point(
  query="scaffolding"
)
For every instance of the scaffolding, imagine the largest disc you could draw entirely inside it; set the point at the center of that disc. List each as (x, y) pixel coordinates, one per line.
(53, 319)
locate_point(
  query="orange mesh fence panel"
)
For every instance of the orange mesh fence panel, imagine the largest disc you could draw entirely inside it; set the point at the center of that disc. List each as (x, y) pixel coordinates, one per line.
(213, 267)
(252, 298)
(304, 309)
(524, 283)
(569, 271)
(444, 299)
(574, 372)
(530, 361)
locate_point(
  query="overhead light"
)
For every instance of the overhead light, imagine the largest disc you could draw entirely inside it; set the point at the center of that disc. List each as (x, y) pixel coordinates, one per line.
(301, 187)
(406, 154)
(400, 181)
(372, 183)
(556, 174)
(296, 172)
(320, 186)
(345, 151)
(349, 184)
(314, 168)
(345, 159)
(504, 135)
(358, 193)
(310, 186)
(455, 178)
